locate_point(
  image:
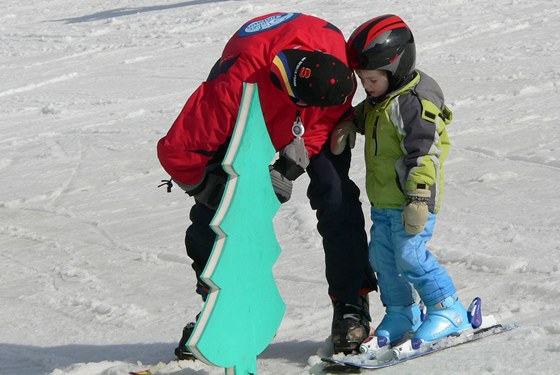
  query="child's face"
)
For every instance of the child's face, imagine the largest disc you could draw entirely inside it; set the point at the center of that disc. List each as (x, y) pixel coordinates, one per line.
(375, 82)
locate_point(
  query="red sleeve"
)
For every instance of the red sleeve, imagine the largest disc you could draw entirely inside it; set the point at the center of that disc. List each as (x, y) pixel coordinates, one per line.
(318, 133)
(204, 124)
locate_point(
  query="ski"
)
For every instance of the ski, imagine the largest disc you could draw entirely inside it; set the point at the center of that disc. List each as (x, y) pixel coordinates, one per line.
(386, 357)
(172, 365)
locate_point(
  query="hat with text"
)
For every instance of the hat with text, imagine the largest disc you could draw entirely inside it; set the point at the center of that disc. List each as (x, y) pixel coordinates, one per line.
(313, 78)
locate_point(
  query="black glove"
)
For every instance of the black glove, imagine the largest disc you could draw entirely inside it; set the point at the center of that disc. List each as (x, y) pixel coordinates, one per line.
(281, 184)
(211, 189)
(293, 160)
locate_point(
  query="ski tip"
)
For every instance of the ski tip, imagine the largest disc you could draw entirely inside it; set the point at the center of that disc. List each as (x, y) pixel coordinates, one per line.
(509, 326)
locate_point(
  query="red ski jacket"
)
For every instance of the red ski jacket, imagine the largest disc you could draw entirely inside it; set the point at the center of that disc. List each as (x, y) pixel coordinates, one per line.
(208, 118)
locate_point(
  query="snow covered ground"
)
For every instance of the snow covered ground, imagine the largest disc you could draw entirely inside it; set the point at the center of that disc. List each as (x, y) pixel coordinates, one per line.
(94, 278)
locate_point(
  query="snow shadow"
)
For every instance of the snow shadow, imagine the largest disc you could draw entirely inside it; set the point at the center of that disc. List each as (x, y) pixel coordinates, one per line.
(122, 12)
(297, 352)
(33, 360)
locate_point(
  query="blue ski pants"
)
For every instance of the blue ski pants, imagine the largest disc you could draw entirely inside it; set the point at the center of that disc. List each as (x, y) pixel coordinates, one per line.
(401, 260)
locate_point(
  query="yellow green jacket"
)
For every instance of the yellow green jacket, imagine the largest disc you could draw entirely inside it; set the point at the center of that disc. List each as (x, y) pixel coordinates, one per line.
(406, 142)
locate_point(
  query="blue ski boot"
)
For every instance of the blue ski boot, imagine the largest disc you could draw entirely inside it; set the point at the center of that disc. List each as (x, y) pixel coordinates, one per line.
(397, 322)
(443, 319)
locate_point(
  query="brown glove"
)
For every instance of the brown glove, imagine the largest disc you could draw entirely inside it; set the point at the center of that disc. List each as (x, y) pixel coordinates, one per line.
(415, 212)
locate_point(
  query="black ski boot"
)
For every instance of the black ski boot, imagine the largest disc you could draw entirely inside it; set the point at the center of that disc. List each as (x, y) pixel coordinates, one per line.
(350, 325)
(181, 351)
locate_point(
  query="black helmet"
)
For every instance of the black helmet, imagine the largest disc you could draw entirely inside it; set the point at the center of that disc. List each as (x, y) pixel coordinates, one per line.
(383, 43)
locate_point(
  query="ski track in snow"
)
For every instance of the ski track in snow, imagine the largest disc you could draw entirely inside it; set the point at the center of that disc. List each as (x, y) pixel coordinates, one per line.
(95, 279)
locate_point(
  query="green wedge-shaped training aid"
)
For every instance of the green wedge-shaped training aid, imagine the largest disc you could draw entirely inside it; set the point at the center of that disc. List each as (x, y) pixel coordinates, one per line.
(244, 309)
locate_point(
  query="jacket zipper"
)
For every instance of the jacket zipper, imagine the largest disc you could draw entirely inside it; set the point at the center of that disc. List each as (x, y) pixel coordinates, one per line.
(375, 135)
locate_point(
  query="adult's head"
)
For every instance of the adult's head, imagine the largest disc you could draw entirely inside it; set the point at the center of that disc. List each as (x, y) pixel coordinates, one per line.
(312, 77)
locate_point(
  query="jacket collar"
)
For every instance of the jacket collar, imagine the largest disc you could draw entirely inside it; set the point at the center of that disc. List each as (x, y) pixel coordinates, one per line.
(406, 87)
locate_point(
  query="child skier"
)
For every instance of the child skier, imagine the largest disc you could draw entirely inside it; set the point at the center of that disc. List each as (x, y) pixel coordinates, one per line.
(403, 120)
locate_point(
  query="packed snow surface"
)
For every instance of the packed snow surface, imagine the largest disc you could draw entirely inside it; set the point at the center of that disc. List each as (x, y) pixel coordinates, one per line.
(94, 276)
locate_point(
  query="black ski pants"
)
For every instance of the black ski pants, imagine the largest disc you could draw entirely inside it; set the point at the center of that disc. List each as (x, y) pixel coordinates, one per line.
(335, 198)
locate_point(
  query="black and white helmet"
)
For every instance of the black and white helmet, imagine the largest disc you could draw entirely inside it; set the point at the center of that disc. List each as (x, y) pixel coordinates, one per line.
(383, 43)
